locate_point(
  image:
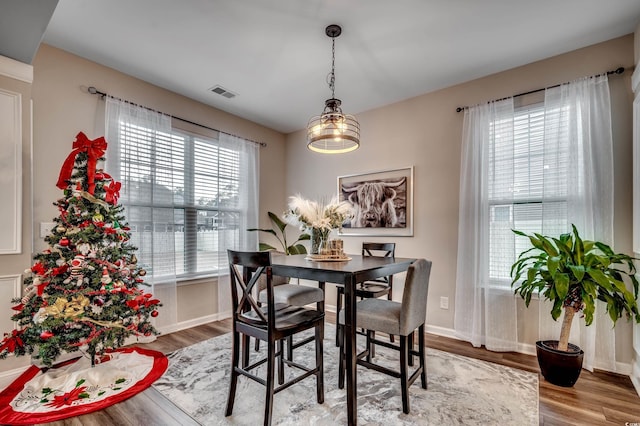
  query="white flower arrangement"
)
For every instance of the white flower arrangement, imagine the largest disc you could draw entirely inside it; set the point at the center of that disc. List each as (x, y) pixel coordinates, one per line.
(309, 214)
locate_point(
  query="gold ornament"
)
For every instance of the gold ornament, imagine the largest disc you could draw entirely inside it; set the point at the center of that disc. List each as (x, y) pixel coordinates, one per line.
(142, 272)
(61, 229)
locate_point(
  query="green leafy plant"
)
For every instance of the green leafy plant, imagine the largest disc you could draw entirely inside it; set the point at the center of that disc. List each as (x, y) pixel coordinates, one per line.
(281, 236)
(573, 274)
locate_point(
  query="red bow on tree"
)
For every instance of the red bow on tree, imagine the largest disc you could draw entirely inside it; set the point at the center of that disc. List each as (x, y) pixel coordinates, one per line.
(12, 341)
(94, 149)
(112, 192)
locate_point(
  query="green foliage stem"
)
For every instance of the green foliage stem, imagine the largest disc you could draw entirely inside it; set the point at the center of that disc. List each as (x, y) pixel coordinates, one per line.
(573, 273)
(278, 230)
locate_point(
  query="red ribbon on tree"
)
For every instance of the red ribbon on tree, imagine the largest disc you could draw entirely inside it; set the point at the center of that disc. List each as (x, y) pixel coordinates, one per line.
(112, 192)
(94, 149)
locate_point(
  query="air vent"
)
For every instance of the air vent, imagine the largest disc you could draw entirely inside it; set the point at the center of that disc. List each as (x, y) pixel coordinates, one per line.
(219, 90)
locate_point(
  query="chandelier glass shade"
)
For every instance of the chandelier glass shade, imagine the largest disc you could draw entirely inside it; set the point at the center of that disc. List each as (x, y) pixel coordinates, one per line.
(333, 132)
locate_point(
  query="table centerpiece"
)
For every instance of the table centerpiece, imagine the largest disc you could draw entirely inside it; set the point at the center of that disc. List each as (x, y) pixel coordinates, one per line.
(318, 219)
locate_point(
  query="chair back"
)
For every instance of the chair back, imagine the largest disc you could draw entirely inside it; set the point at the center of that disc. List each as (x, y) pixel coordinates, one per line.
(380, 250)
(246, 269)
(414, 298)
(276, 279)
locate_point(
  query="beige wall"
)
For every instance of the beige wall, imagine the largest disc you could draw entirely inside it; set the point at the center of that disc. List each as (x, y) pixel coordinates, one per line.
(425, 132)
(62, 108)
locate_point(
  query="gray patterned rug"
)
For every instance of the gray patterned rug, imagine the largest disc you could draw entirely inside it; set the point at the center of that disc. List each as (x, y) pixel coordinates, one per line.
(461, 390)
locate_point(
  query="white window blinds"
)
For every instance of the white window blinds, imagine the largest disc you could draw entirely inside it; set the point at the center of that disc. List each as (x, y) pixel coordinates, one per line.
(527, 185)
(194, 197)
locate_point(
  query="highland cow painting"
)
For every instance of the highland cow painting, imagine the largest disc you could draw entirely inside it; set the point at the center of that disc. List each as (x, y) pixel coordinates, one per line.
(381, 202)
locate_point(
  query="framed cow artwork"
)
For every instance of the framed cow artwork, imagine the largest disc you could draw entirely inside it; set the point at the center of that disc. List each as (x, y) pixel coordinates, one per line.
(382, 202)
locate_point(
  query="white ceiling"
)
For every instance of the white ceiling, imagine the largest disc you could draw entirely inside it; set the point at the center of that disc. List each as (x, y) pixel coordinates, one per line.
(275, 55)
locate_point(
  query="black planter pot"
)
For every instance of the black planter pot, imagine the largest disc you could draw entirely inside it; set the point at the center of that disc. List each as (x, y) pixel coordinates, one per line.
(559, 367)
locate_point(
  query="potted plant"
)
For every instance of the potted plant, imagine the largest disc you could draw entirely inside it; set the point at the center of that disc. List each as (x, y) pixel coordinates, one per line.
(281, 236)
(573, 273)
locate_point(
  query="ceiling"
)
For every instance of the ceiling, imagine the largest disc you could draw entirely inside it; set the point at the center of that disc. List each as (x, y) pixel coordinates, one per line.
(275, 56)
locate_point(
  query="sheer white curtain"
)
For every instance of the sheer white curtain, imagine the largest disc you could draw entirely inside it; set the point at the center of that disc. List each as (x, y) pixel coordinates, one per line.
(485, 314)
(140, 156)
(559, 173)
(247, 203)
(580, 112)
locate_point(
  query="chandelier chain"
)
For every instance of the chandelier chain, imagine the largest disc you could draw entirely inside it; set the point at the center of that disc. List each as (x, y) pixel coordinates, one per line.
(332, 76)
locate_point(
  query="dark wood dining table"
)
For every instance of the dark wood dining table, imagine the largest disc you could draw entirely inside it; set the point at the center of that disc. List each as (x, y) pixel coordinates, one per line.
(348, 274)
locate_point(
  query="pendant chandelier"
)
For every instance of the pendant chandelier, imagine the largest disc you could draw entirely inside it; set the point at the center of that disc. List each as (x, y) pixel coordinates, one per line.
(333, 132)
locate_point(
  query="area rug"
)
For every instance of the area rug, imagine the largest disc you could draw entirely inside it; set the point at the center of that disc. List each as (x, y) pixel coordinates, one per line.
(76, 388)
(461, 390)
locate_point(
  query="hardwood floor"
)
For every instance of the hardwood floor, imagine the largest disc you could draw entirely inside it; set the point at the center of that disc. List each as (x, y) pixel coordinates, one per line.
(597, 398)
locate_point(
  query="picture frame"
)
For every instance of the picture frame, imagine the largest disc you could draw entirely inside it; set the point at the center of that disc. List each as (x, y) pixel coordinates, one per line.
(382, 200)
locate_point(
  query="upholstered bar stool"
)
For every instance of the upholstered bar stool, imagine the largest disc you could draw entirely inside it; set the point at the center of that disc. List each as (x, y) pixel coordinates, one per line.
(377, 288)
(395, 318)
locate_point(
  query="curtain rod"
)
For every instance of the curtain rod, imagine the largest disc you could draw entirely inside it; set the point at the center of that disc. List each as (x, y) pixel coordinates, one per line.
(619, 70)
(92, 90)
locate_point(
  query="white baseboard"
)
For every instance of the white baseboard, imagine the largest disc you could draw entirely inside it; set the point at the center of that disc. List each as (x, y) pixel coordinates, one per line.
(623, 368)
(441, 331)
(635, 376)
(194, 322)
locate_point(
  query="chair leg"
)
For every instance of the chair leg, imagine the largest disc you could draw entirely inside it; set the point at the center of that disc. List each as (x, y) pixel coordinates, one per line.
(410, 342)
(235, 358)
(390, 297)
(341, 360)
(290, 348)
(370, 346)
(338, 309)
(245, 350)
(319, 363)
(257, 343)
(280, 351)
(403, 374)
(268, 406)
(421, 350)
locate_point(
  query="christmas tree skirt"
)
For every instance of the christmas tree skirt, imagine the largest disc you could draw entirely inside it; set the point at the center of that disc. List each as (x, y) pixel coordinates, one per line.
(75, 388)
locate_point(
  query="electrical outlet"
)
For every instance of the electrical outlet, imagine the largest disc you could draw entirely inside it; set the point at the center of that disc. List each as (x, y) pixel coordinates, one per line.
(444, 302)
(46, 228)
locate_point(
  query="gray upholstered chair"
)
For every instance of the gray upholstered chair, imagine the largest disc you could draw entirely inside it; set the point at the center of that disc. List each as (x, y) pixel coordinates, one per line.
(376, 288)
(395, 318)
(292, 295)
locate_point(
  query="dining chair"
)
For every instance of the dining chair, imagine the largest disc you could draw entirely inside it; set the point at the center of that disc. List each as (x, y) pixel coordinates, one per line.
(290, 294)
(397, 318)
(273, 323)
(371, 289)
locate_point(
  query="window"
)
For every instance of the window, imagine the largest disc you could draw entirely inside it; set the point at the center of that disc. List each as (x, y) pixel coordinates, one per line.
(527, 185)
(182, 194)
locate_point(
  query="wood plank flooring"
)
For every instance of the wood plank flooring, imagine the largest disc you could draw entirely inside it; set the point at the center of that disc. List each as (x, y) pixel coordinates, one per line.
(598, 398)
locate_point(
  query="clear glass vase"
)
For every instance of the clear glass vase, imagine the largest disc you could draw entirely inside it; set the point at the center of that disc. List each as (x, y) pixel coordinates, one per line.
(319, 240)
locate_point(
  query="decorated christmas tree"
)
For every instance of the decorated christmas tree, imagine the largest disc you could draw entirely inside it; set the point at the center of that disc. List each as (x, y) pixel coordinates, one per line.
(82, 293)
